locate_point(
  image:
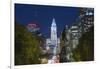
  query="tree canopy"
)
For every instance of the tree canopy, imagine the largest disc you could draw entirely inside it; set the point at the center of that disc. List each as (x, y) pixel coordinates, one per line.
(27, 47)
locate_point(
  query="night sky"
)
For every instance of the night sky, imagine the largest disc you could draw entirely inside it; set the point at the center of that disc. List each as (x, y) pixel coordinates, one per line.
(43, 15)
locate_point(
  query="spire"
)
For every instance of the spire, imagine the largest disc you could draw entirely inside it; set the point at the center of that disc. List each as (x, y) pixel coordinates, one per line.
(53, 23)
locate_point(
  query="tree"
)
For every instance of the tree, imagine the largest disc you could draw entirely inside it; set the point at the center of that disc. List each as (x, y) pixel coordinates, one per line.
(27, 47)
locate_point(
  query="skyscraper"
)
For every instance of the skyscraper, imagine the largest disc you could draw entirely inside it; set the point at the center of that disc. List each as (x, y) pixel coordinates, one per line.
(53, 42)
(86, 19)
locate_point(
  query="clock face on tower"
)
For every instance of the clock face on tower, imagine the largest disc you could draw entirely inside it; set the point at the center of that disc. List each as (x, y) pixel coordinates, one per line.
(54, 25)
(54, 32)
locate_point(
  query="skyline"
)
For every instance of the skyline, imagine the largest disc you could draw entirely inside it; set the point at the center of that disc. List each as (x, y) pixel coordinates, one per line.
(43, 15)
